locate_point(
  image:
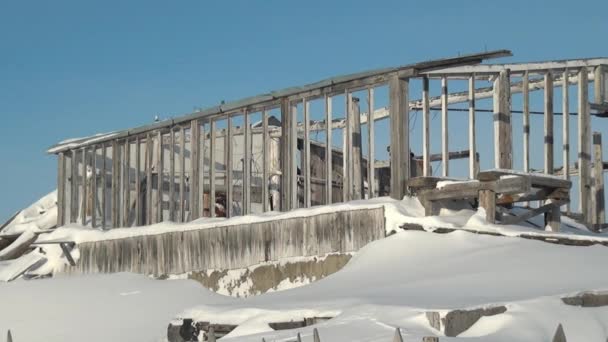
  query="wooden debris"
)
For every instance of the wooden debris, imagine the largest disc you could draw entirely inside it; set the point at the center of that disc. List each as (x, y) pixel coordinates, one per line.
(397, 337)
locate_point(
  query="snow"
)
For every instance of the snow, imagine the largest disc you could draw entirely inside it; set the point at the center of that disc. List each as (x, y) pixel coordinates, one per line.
(40, 216)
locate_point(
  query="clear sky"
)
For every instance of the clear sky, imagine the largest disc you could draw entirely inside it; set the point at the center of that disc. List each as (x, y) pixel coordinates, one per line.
(75, 68)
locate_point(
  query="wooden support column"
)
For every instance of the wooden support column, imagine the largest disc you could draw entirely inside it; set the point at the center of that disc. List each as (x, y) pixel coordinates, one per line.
(306, 150)
(229, 158)
(83, 188)
(426, 128)
(445, 152)
(600, 84)
(138, 192)
(195, 185)
(526, 119)
(328, 151)
(347, 167)
(172, 175)
(371, 139)
(246, 164)
(503, 144)
(115, 185)
(200, 178)
(60, 189)
(356, 157)
(104, 185)
(472, 140)
(487, 200)
(553, 216)
(293, 134)
(599, 210)
(94, 186)
(73, 187)
(212, 153)
(126, 183)
(566, 129)
(285, 155)
(182, 174)
(548, 121)
(584, 151)
(265, 161)
(159, 177)
(400, 154)
(149, 160)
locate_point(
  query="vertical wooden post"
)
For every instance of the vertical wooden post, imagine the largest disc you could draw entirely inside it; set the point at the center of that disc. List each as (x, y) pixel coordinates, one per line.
(566, 129)
(548, 100)
(503, 144)
(599, 212)
(104, 184)
(306, 150)
(195, 185)
(347, 167)
(212, 168)
(584, 153)
(60, 189)
(426, 130)
(149, 154)
(229, 158)
(328, 151)
(74, 186)
(138, 192)
(371, 139)
(200, 161)
(600, 85)
(246, 164)
(553, 217)
(172, 175)
(472, 140)
(182, 174)
(83, 188)
(94, 186)
(265, 161)
(400, 154)
(487, 200)
(285, 155)
(445, 159)
(115, 185)
(526, 118)
(356, 157)
(293, 134)
(126, 180)
(159, 179)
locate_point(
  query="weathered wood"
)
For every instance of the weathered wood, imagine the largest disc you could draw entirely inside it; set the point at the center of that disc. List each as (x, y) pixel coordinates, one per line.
(445, 161)
(148, 167)
(138, 192)
(229, 155)
(371, 140)
(293, 151)
(535, 195)
(126, 183)
(265, 161)
(503, 144)
(182, 174)
(347, 166)
(83, 188)
(315, 335)
(328, 151)
(246, 165)
(600, 84)
(487, 200)
(356, 158)
(73, 186)
(566, 128)
(470, 189)
(548, 123)
(472, 138)
(597, 200)
(94, 186)
(115, 185)
(306, 170)
(526, 123)
(61, 189)
(172, 175)
(536, 179)
(285, 156)
(104, 185)
(584, 151)
(553, 216)
(199, 195)
(212, 153)
(550, 206)
(399, 114)
(426, 149)
(160, 177)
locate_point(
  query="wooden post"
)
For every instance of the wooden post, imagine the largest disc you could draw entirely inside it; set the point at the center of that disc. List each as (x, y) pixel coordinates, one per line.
(265, 161)
(328, 151)
(126, 180)
(285, 155)
(306, 150)
(115, 185)
(229, 156)
(60, 189)
(74, 186)
(371, 139)
(195, 185)
(172, 175)
(526, 118)
(149, 151)
(584, 154)
(104, 184)
(400, 154)
(472, 142)
(200, 166)
(503, 145)
(445, 159)
(138, 192)
(293, 134)
(347, 167)
(182, 174)
(356, 157)
(599, 215)
(94, 186)
(600, 84)
(159, 179)
(212, 168)
(487, 200)
(426, 129)
(246, 165)
(548, 99)
(566, 129)
(553, 217)
(83, 188)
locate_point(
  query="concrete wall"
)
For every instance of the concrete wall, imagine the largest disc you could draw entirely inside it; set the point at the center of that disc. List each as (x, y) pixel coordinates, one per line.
(236, 246)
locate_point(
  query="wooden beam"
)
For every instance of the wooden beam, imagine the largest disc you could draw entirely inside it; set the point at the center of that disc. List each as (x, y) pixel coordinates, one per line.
(519, 68)
(247, 165)
(306, 165)
(549, 206)
(444, 127)
(200, 178)
(548, 123)
(472, 140)
(347, 167)
(212, 153)
(83, 188)
(73, 186)
(285, 155)
(160, 179)
(265, 161)
(371, 154)
(584, 152)
(426, 129)
(526, 119)
(104, 185)
(61, 189)
(487, 200)
(172, 175)
(566, 128)
(503, 145)
(149, 161)
(94, 186)
(600, 84)
(195, 144)
(400, 155)
(293, 138)
(126, 183)
(328, 151)
(115, 185)
(356, 151)
(598, 203)
(228, 154)
(182, 174)
(138, 192)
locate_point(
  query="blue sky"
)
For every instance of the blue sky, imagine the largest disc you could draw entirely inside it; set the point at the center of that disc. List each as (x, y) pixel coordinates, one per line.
(74, 68)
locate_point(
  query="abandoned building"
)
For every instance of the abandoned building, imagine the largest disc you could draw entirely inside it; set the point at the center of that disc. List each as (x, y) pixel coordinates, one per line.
(271, 152)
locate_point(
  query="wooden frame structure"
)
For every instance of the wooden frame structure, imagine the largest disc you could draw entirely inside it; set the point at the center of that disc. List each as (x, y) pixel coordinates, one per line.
(179, 171)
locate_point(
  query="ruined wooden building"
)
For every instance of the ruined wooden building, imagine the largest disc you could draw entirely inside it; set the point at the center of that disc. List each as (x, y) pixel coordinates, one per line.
(318, 144)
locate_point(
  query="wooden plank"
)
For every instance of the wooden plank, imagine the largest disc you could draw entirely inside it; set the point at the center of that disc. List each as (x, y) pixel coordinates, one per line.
(104, 185)
(285, 155)
(94, 186)
(371, 139)
(426, 129)
(536, 179)
(597, 199)
(469, 189)
(487, 200)
(74, 186)
(472, 140)
(247, 165)
(195, 157)
(172, 175)
(549, 206)
(159, 179)
(347, 155)
(228, 154)
(548, 124)
(566, 128)
(182, 174)
(83, 188)
(306, 165)
(328, 151)
(399, 114)
(138, 192)
(60, 189)
(584, 150)
(445, 161)
(212, 153)
(149, 160)
(265, 161)
(356, 151)
(293, 138)
(526, 119)
(600, 85)
(115, 185)
(200, 178)
(503, 144)
(126, 183)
